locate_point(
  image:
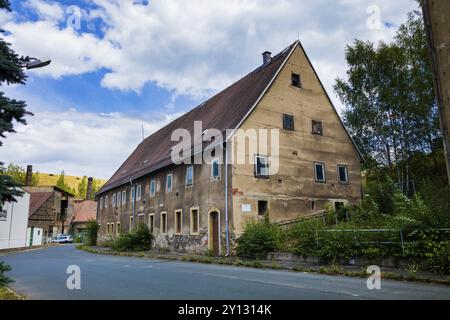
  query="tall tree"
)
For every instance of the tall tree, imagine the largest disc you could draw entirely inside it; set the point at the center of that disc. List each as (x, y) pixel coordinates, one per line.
(18, 174)
(391, 108)
(11, 110)
(82, 188)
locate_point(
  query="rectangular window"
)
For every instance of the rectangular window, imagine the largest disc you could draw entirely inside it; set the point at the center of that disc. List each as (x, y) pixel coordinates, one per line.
(152, 188)
(169, 182)
(319, 172)
(112, 227)
(132, 194)
(296, 81)
(151, 222)
(124, 197)
(189, 175)
(163, 222)
(288, 122)
(118, 200)
(178, 222)
(262, 167)
(113, 200)
(215, 169)
(3, 212)
(317, 127)
(138, 192)
(119, 228)
(195, 221)
(101, 203)
(263, 207)
(343, 174)
(107, 228)
(106, 202)
(141, 219)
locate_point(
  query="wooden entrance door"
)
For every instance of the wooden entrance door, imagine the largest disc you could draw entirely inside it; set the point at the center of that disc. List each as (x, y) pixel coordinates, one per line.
(214, 225)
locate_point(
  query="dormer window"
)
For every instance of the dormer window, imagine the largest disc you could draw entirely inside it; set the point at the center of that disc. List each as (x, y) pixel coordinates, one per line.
(296, 81)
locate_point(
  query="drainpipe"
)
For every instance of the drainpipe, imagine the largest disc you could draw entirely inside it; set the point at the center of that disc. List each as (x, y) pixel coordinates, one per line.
(227, 232)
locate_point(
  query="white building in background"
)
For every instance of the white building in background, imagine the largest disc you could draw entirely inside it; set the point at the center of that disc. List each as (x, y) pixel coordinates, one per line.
(14, 222)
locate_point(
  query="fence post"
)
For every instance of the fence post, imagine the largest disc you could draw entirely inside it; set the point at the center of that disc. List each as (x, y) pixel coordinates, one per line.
(401, 239)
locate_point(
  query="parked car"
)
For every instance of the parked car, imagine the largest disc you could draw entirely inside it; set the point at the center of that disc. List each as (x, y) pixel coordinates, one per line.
(63, 238)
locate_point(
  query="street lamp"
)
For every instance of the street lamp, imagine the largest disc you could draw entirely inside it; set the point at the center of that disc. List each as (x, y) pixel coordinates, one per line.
(35, 63)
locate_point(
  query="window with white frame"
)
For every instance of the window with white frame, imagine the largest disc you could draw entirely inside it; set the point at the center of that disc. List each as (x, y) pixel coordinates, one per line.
(133, 190)
(101, 203)
(319, 172)
(169, 182)
(190, 176)
(113, 200)
(151, 222)
(342, 173)
(118, 200)
(215, 169)
(106, 202)
(138, 192)
(118, 228)
(262, 166)
(124, 197)
(152, 188)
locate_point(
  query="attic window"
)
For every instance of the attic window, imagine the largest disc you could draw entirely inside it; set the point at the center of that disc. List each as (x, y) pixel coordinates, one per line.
(296, 81)
(317, 127)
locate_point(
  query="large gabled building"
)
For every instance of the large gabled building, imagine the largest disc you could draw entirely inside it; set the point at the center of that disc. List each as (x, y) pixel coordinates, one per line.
(310, 164)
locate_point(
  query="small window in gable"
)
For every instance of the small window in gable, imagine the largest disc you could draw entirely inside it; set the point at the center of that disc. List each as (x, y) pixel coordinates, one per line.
(288, 122)
(296, 81)
(317, 127)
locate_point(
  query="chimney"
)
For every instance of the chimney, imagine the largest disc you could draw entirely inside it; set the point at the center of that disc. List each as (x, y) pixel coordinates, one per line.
(89, 189)
(267, 56)
(29, 175)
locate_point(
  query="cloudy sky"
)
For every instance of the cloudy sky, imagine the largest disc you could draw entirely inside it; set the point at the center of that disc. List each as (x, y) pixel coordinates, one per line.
(120, 65)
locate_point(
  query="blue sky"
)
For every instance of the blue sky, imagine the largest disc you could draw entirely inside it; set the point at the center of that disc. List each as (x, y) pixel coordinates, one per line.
(118, 65)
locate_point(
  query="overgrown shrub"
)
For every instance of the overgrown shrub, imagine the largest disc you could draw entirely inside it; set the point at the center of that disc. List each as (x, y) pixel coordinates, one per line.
(91, 232)
(259, 238)
(3, 278)
(138, 240)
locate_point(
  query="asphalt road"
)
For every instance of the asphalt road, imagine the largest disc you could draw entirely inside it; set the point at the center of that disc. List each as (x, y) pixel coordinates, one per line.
(41, 274)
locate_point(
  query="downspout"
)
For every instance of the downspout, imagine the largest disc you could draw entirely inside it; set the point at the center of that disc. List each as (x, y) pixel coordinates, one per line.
(227, 231)
(133, 192)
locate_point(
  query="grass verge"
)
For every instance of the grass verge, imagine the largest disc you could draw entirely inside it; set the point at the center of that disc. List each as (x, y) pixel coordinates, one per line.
(8, 294)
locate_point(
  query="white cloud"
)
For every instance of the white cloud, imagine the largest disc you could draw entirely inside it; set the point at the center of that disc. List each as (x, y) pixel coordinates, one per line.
(80, 143)
(196, 47)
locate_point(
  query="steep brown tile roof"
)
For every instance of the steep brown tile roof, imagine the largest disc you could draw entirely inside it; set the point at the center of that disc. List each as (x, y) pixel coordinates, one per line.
(223, 111)
(84, 211)
(37, 199)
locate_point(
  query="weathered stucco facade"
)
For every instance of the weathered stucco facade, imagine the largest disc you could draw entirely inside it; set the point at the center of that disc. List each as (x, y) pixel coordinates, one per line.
(292, 189)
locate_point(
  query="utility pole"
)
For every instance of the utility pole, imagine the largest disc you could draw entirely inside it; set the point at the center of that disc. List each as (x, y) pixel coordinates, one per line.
(436, 14)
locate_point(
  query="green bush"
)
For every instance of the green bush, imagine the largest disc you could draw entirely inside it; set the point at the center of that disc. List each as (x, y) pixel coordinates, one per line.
(138, 240)
(303, 236)
(91, 232)
(4, 268)
(259, 238)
